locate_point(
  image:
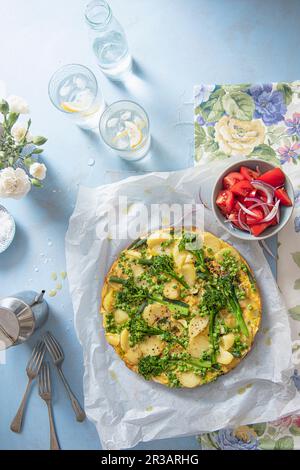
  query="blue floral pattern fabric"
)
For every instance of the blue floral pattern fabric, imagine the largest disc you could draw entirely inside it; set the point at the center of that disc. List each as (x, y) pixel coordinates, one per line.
(248, 121)
(260, 120)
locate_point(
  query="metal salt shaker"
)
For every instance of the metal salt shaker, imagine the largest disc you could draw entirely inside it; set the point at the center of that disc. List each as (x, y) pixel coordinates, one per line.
(20, 316)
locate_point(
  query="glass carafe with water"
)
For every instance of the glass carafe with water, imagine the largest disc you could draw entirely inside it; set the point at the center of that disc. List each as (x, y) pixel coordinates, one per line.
(108, 40)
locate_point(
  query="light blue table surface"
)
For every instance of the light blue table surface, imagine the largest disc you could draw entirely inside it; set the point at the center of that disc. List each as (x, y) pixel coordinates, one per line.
(175, 44)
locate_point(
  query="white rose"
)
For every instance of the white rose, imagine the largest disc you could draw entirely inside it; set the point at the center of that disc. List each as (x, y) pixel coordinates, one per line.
(19, 131)
(38, 171)
(17, 105)
(14, 183)
(237, 137)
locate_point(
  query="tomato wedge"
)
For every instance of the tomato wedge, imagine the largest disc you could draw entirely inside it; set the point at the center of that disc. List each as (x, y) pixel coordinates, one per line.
(251, 220)
(273, 177)
(232, 178)
(242, 188)
(249, 174)
(225, 201)
(256, 230)
(283, 197)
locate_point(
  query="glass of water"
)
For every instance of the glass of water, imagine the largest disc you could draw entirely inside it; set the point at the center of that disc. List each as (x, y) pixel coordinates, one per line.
(108, 40)
(124, 127)
(73, 89)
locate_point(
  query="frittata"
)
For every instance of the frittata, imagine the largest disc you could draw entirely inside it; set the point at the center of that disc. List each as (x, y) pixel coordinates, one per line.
(181, 308)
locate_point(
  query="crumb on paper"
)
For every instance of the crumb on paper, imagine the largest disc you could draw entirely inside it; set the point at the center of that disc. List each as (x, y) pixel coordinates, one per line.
(149, 408)
(52, 293)
(242, 390)
(265, 330)
(58, 286)
(53, 276)
(63, 274)
(113, 375)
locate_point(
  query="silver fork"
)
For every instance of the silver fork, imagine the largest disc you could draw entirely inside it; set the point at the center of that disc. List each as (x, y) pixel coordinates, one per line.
(46, 395)
(32, 371)
(57, 355)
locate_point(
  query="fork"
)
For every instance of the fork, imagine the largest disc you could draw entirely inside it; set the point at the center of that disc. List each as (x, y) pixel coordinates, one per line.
(57, 355)
(46, 395)
(32, 371)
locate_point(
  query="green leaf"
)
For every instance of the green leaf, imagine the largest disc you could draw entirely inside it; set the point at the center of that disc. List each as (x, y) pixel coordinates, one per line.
(284, 443)
(211, 147)
(4, 107)
(271, 430)
(286, 91)
(296, 258)
(200, 136)
(239, 105)
(197, 110)
(39, 140)
(259, 428)
(28, 161)
(297, 284)
(12, 119)
(266, 443)
(212, 110)
(266, 152)
(36, 183)
(219, 155)
(36, 151)
(295, 312)
(295, 430)
(211, 131)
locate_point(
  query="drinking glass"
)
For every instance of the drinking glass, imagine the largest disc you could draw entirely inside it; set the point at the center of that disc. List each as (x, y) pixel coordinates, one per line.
(124, 127)
(73, 89)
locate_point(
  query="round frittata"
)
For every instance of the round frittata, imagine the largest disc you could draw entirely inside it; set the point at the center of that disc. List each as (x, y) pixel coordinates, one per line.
(180, 307)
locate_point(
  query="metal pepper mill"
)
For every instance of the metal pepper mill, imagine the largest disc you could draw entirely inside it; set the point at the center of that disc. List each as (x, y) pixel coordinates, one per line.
(20, 316)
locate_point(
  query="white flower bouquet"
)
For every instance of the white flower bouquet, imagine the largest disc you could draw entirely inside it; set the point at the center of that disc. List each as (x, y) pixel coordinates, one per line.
(19, 151)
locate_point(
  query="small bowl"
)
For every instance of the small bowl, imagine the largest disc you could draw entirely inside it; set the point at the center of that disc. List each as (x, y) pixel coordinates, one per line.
(285, 212)
(13, 231)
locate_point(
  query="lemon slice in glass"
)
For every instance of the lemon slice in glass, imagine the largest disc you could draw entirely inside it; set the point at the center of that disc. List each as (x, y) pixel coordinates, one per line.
(134, 133)
(70, 107)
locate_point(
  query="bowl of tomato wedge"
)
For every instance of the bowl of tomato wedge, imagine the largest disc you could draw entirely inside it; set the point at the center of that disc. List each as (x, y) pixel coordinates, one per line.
(253, 199)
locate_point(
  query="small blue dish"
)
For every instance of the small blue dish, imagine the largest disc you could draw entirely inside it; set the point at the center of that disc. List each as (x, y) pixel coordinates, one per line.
(285, 212)
(9, 240)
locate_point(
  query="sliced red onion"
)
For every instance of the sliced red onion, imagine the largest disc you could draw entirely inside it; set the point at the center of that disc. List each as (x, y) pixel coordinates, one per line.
(266, 188)
(258, 170)
(255, 199)
(278, 212)
(263, 205)
(242, 224)
(272, 213)
(248, 211)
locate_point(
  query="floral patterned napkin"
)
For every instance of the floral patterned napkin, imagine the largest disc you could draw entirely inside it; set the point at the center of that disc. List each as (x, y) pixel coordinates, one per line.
(258, 121)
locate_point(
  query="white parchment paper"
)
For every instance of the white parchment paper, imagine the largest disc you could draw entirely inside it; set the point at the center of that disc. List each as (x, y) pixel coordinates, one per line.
(125, 408)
